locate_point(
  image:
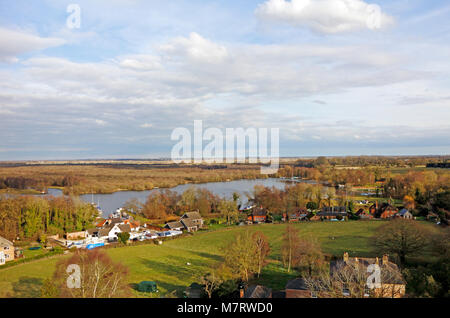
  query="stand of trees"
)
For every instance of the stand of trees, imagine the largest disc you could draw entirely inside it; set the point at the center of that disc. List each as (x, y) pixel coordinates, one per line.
(28, 217)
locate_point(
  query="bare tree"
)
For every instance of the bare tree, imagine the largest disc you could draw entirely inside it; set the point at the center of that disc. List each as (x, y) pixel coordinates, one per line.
(401, 237)
(211, 282)
(262, 250)
(291, 242)
(98, 276)
(308, 254)
(355, 281)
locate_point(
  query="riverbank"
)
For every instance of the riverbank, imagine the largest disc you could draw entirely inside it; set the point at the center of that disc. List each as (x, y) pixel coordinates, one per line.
(103, 179)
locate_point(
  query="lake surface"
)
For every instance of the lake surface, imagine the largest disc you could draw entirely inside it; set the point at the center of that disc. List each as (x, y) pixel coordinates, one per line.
(110, 202)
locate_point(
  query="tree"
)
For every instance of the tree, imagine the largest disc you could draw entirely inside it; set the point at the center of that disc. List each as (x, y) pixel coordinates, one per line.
(155, 207)
(311, 205)
(262, 250)
(401, 237)
(133, 206)
(321, 161)
(350, 280)
(308, 254)
(99, 276)
(240, 257)
(211, 282)
(408, 202)
(291, 242)
(123, 237)
(228, 209)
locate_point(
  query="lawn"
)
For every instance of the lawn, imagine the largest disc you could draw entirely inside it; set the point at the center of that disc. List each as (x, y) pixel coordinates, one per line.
(167, 264)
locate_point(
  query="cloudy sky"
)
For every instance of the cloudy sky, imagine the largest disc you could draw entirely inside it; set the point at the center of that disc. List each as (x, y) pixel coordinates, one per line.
(337, 77)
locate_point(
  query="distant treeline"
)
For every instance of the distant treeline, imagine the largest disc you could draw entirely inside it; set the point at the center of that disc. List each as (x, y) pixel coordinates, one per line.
(363, 161)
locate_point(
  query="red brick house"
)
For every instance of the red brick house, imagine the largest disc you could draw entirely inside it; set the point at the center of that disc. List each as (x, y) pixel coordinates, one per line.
(297, 288)
(258, 215)
(385, 211)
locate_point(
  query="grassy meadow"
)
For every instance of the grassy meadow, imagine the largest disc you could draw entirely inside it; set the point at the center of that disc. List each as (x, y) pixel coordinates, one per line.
(167, 264)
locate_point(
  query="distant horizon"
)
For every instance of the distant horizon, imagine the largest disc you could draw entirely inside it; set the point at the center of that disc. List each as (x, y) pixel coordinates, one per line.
(169, 159)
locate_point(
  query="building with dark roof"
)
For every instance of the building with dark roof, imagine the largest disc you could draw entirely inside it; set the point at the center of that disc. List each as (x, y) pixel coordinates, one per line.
(332, 212)
(258, 291)
(194, 218)
(177, 225)
(405, 214)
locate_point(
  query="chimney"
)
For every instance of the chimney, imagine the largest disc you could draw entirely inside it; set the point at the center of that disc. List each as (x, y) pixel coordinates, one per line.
(385, 259)
(346, 257)
(241, 293)
(377, 261)
(376, 205)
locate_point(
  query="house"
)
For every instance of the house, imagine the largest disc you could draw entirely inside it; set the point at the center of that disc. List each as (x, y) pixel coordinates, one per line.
(6, 251)
(297, 288)
(387, 211)
(90, 233)
(257, 291)
(194, 217)
(405, 214)
(109, 233)
(76, 235)
(135, 225)
(177, 225)
(258, 215)
(373, 209)
(333, 212)
(194, 291)
(299, 215)
(363, 214)
(392, 284)
(189, 224)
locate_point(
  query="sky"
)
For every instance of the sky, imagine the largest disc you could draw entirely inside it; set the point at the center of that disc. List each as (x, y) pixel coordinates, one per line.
(337, 77)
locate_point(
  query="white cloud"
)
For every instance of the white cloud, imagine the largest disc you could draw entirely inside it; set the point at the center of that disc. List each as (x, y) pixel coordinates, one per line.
(325, 16)
(141, 62)
(100, 122)
(14, 43)
(146, 125)
(197, 48)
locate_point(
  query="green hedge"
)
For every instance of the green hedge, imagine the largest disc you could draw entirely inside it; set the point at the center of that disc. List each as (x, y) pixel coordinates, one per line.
(34, 258)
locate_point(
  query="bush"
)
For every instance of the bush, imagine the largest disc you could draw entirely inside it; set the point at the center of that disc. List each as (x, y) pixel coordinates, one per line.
(30, 259)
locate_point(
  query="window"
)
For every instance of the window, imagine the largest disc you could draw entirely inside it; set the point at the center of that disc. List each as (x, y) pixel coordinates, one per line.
(345, 290)
(313, 294)
(366, 292)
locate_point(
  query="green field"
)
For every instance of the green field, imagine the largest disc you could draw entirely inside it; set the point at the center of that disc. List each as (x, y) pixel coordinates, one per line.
(167, 264)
